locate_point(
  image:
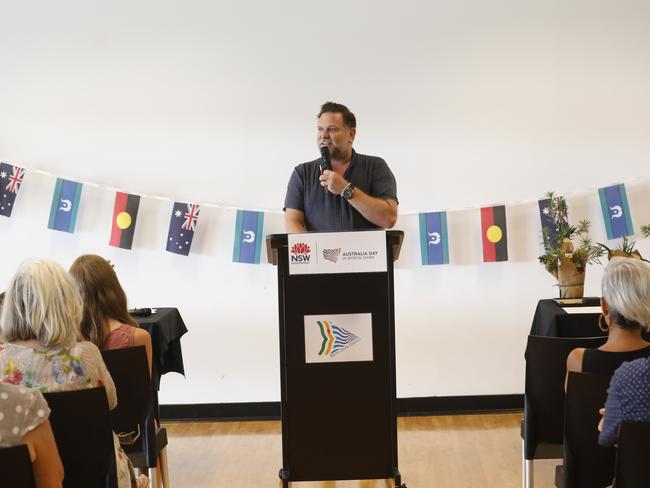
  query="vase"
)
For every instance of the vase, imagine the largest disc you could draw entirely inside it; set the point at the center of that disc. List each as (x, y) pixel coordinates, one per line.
(570, 281)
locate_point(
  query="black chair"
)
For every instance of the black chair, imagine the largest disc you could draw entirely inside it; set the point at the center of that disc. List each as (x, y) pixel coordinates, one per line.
(82, 429)
(543, 425)
(586, 464)
(632, 467)
(134, 417)
(16, 467)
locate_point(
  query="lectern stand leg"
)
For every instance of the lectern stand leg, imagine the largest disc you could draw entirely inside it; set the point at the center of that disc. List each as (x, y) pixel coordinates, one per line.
(398, 479)
(284, 476)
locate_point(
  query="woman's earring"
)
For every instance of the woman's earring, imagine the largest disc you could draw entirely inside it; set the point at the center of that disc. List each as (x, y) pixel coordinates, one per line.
(602, 323)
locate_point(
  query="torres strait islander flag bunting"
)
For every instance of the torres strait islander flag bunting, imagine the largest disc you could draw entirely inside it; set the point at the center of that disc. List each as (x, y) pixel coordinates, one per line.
(616, 212)
(495, 236)
(181, 227)
(65, 204)
(125, 214)
(248, 237)
(434, 244)
(11, 178)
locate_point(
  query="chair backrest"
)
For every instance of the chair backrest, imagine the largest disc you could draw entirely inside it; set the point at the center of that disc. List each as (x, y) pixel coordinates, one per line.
(632, 467)
(16, 467)
(134, 412)
(544, 389)
(82, 429)
(586, 464)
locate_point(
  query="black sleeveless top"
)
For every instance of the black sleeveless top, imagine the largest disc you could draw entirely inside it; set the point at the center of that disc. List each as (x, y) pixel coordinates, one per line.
(606, 362)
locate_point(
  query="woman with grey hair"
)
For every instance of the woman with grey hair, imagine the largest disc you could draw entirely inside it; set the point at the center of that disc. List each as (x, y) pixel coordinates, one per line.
(626, 312)
(41, 326)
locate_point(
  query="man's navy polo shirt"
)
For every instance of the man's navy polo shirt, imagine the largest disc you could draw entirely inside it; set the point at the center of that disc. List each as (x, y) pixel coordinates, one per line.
(325, 211)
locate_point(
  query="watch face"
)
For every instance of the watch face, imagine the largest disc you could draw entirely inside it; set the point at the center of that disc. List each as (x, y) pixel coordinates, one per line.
(347, 193)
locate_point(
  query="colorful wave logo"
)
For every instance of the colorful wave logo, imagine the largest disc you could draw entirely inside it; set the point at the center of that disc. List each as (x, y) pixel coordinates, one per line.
(332, 254)
(335, 339)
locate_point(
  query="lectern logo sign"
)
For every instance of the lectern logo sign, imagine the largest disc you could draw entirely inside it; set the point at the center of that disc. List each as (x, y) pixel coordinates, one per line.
(300, 253)
(335, 339)
(337, 252)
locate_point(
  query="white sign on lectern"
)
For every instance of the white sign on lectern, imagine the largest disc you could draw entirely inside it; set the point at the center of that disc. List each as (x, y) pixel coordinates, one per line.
(338, 252)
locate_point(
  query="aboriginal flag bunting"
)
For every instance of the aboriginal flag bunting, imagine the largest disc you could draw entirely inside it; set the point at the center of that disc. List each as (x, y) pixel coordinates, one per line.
(125, 214)
(495, 235)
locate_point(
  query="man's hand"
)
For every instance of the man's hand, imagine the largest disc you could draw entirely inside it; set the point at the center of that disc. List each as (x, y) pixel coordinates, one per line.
(381, 212)
(332, 181)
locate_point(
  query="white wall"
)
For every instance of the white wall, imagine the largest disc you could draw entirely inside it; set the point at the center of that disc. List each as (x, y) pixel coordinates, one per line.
(471, 103)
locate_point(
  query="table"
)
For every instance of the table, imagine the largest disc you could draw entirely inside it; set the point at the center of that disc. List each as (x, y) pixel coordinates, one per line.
(552, 320)
(166, 328)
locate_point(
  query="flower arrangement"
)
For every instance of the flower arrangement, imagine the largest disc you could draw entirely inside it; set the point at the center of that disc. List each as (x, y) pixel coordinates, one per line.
(627, 248)
(569, 250)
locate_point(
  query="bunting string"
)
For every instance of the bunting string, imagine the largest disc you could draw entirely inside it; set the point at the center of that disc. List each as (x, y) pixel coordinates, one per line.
(225, 206)
(434, 241)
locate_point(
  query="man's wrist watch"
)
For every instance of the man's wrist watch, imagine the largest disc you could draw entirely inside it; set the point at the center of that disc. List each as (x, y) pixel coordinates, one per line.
(347, 191)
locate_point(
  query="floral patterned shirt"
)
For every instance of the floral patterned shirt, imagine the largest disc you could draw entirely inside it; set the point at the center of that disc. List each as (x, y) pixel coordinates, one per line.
(64, 369)
(56, 369)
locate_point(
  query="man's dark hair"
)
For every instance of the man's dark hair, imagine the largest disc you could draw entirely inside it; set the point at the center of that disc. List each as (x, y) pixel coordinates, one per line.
(349, 119)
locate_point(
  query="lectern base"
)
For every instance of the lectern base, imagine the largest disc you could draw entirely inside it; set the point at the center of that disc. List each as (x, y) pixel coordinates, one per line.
(283, 474)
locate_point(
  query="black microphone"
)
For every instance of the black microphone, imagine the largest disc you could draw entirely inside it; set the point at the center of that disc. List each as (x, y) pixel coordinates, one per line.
(326, 162)
(140, 312)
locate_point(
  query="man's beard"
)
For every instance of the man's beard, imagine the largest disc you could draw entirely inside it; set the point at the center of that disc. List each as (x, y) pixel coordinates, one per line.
(336, 153)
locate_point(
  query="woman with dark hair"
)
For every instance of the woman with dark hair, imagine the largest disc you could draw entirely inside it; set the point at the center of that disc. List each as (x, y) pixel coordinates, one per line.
(106, 321)
(626, 311)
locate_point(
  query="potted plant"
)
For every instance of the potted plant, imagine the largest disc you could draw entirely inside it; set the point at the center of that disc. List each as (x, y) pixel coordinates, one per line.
(569, 250)
(627, 248)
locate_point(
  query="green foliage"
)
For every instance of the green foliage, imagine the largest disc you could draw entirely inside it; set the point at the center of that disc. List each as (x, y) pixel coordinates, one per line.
(626, 248)
(645, 230)
(562, 244)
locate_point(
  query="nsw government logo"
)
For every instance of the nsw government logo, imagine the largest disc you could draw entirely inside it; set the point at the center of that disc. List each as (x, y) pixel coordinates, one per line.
(335, 339)
(332, 254)
(300, 253)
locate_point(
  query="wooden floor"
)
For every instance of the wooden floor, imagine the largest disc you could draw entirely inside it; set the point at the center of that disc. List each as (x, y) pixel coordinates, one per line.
(442, 451)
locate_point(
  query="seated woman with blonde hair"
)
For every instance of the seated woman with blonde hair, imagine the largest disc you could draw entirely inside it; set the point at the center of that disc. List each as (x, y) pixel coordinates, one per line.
(106, 321)
(626, 311)
(24, 420)
(44, 350)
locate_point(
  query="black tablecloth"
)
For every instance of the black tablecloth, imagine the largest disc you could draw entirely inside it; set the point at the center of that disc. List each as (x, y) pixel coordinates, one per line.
(166, 328)
(552, 321)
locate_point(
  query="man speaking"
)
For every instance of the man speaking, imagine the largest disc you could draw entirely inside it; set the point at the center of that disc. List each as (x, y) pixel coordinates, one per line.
(341, 190)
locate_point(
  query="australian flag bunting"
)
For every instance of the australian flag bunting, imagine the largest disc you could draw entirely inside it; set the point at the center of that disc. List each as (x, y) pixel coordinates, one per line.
(65, 204)
(616, 211)
(433, 238)
(550, 230)
(182, 226)
(248, 237)
(11, 177)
